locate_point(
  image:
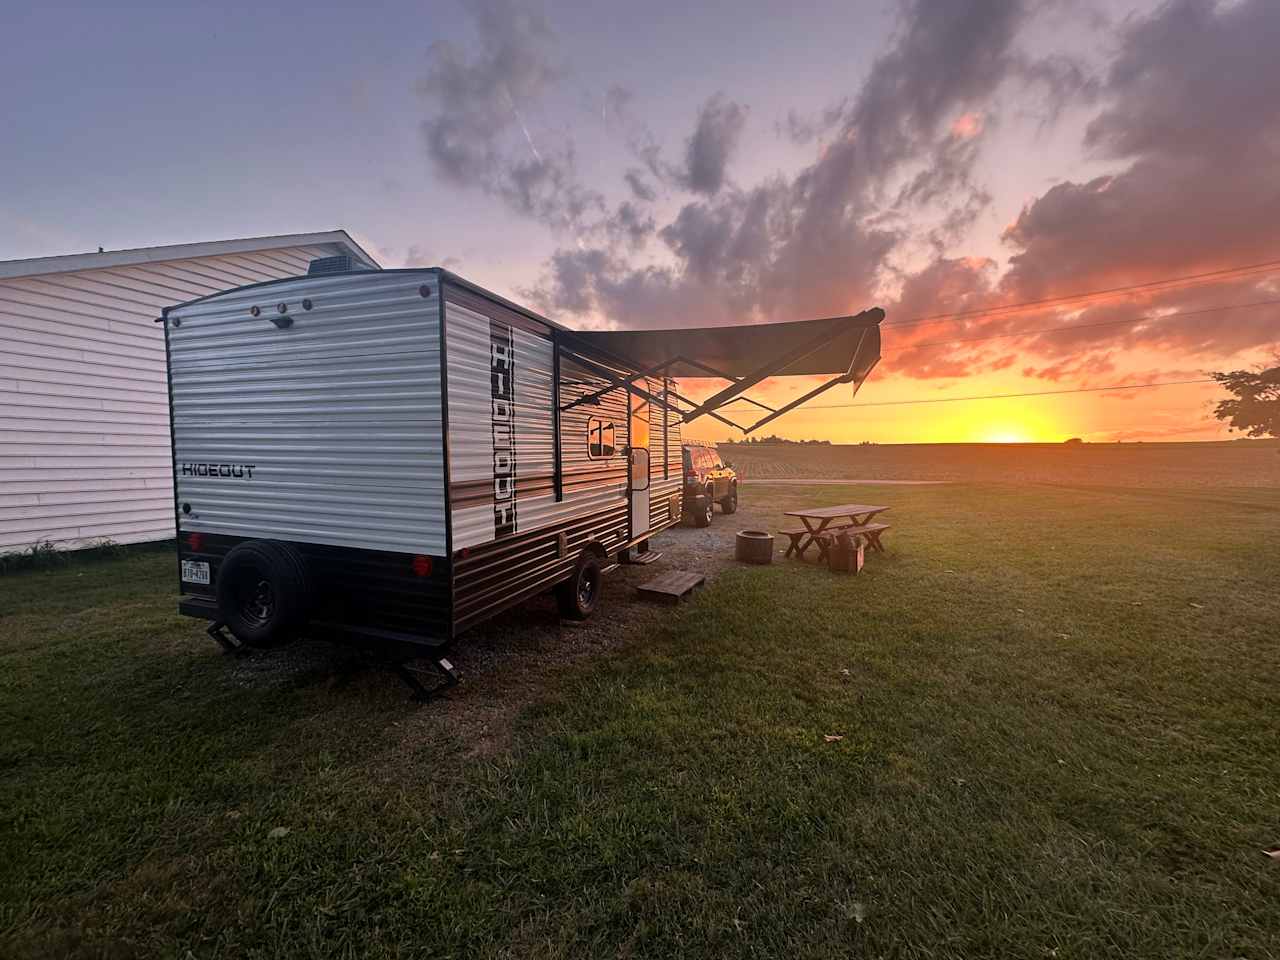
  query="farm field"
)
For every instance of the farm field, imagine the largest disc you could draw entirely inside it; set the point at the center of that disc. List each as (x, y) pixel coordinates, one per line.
(1239, 463)
(1043, 724)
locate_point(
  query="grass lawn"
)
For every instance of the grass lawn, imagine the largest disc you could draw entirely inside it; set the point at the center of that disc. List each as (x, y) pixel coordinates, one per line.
(1059, 710)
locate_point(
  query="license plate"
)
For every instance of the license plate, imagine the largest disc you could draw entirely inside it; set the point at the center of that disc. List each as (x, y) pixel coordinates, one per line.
(195, 571)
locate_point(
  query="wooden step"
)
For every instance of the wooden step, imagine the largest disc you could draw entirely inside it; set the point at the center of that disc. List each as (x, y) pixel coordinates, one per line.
(672, 587)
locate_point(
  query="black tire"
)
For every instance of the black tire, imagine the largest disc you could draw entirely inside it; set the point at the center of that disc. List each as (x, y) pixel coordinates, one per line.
(264, 592)
(730, 503)
(704, 511)
(579, 596)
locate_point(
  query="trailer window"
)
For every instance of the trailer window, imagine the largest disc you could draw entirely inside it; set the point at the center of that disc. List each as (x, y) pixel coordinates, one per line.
(601, 442)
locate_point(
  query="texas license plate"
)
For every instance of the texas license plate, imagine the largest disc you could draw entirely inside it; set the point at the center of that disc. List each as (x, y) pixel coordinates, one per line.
(195, 571)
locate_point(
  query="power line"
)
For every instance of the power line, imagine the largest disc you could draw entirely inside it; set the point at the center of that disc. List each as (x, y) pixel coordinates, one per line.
(1105, 323)
(1007, 396)
(1225, 273)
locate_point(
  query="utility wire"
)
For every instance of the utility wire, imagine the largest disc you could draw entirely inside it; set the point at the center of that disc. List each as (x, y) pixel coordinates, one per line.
(1036, 332)
(1105, 323)
(1191, 279)
(1006, 396)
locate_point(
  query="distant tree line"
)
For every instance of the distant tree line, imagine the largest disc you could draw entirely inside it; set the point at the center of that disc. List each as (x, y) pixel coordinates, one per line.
(751, 441)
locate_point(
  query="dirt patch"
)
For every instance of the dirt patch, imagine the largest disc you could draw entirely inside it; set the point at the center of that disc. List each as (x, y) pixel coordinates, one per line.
(508, 662)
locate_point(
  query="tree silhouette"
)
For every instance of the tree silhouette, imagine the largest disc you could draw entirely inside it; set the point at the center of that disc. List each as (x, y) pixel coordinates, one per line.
(1255, 406)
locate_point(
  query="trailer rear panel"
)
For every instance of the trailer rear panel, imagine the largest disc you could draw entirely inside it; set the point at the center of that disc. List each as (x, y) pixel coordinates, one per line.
(319, 425)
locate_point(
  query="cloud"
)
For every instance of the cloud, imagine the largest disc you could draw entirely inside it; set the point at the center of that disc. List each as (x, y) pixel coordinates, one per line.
(893, 188)
(1195, 191)
(947, 56)
(803, 130)
(715, 137)
(641, 189)
(474, 96)
(476, 134)
(631, 225)
(1190, 108)
(816, 243)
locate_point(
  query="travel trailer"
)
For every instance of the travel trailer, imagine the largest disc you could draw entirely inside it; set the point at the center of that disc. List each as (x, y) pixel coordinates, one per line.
(391, 457)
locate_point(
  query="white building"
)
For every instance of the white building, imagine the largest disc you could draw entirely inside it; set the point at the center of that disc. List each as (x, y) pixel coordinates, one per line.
(84, 416)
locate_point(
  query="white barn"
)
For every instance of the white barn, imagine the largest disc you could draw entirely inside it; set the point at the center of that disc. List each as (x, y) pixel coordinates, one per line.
(84, 416)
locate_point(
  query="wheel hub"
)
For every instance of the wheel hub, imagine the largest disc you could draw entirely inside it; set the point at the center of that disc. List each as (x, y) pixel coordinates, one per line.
(260, 604)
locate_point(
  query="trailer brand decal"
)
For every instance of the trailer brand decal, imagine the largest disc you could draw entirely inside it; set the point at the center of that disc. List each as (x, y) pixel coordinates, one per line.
(502, 392)
(243, 470)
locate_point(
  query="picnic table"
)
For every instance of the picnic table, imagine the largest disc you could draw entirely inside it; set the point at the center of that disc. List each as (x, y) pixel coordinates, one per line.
(852, 517)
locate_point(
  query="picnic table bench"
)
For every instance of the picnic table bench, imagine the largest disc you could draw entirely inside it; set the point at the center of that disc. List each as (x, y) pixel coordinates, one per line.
(823, 524)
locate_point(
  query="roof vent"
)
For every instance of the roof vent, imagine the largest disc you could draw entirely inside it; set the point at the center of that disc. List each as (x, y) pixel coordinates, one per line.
(339, 264)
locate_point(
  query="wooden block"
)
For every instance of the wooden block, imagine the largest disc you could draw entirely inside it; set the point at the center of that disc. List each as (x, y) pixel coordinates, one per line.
(672, 587)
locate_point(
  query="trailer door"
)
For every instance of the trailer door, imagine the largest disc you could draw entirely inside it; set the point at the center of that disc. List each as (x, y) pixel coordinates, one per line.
(638, 456)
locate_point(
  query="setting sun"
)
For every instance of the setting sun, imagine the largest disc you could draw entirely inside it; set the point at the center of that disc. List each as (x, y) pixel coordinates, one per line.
(1006, 437)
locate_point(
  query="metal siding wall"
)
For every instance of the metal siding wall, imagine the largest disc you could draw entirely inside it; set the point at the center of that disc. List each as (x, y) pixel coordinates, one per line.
(589, 485)
(340, 413)
(662, 490)
(498, 573)
(84, 423)
(470, 426)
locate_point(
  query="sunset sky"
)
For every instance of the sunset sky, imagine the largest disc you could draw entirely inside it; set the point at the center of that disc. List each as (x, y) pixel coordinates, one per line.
(664, 164)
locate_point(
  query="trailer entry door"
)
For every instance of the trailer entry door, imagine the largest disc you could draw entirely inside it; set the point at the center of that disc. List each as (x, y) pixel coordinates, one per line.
(638, 455)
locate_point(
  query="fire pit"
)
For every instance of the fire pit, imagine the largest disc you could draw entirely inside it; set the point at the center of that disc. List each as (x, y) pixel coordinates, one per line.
(754, 546)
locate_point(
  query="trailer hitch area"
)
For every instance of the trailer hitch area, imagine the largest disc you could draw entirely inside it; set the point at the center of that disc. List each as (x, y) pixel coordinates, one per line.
(218, 631)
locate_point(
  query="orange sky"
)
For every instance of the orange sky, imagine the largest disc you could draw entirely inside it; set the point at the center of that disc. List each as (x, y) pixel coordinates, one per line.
(1162, 413)
(1171, 413)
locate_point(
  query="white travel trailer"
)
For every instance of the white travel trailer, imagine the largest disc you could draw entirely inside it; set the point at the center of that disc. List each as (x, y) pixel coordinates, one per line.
(394, 456)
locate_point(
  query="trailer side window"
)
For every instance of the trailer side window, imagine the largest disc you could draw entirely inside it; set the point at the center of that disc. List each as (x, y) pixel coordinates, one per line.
(600, 439)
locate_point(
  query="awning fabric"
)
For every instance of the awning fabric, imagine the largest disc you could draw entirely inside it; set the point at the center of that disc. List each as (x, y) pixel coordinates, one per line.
(841, 345)
(842, 348)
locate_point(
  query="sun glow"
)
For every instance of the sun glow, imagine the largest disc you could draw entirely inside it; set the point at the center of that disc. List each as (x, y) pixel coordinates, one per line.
(1011, 435)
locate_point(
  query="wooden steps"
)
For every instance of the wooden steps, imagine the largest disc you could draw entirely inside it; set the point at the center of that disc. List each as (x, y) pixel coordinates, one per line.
(672, 587)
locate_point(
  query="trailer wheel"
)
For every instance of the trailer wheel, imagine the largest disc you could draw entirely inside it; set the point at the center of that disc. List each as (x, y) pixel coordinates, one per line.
(730, 503)
(579, 596)
(264, 592)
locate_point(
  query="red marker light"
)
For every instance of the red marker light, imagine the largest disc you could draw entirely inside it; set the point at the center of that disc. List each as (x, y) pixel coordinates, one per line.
(195, 542)
(422, 566)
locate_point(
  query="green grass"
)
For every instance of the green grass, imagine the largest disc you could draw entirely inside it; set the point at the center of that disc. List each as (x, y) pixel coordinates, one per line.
(1059, 730)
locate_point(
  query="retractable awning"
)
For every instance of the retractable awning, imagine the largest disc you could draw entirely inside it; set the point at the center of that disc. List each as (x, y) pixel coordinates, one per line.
(846, 348)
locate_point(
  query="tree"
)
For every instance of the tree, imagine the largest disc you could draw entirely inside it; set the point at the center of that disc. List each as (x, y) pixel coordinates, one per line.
(1255, 406)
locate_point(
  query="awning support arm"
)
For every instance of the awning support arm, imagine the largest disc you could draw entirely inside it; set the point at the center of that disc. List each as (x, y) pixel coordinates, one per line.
(723, 376)
(605, 372)
(847, 377)
(710, 413)
(657, 401)
(762, 373)
(615, 382)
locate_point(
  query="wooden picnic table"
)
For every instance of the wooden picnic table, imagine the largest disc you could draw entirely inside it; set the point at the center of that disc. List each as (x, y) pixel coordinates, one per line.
(817, 519)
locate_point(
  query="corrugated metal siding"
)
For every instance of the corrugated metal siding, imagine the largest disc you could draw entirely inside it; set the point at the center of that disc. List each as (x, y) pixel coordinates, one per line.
(84, 424)
(664, 483)
(496, 573)
(467, 342)
(588, 485)
(339, 415)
